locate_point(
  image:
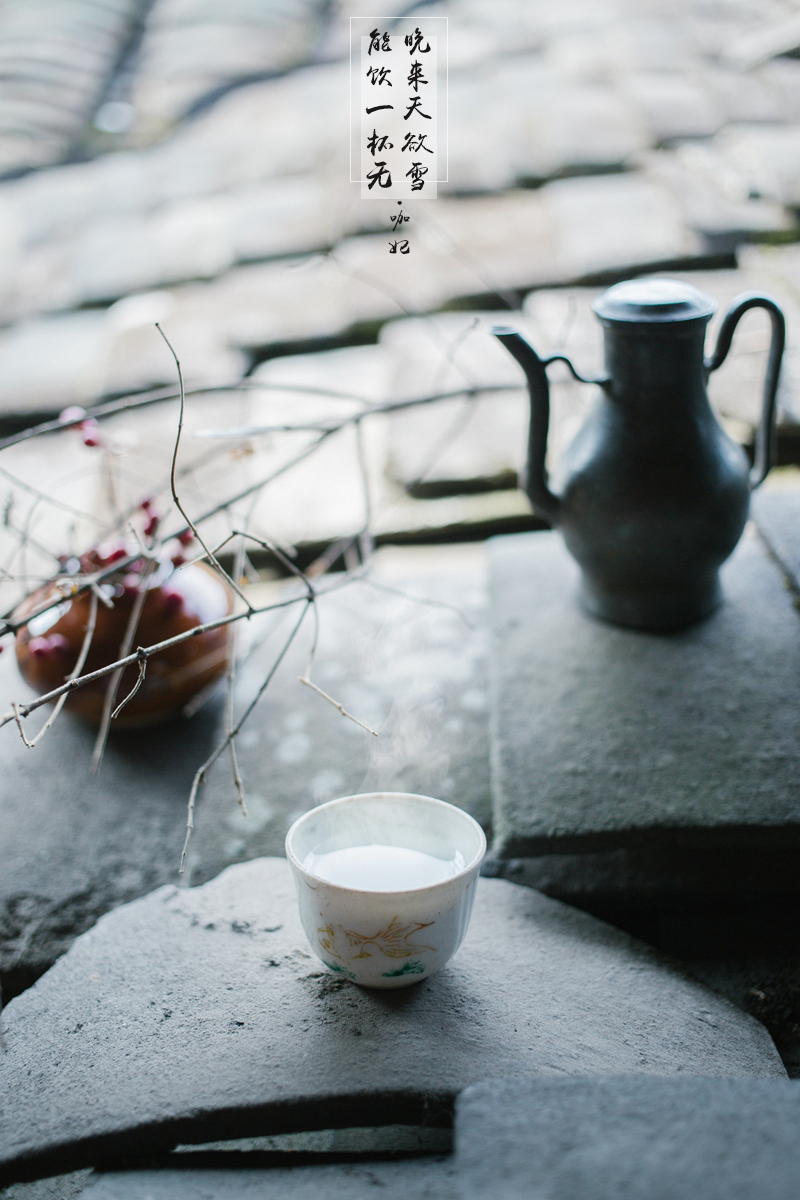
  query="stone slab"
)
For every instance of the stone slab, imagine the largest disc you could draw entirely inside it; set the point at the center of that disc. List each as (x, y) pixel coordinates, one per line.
(666, 1139)
(777, 515)
(57, 1187)
(406, 661)
(196, 1015)
(191, 51)
(424, 1179)
(607, 739)
(56, 61)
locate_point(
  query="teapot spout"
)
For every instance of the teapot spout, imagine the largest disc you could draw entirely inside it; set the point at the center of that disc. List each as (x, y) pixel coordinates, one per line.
(545, 503)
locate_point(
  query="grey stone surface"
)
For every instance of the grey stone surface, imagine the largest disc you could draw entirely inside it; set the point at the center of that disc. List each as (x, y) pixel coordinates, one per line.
(777, 515)
(318, 1162)
(609, 739)
(664, 1139)
(766, 156)
(75, 845)
(422, 1179)
(47, 362)
(55, 59)
(713, 197)
(415, 671)
(614, 222)
(672, 105)
(465, 442)
(192, 49)
(58, 1187)
(563, 125)
(197, 1015)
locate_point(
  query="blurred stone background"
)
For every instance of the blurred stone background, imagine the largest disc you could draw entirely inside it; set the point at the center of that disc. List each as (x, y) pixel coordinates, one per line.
(186, 162)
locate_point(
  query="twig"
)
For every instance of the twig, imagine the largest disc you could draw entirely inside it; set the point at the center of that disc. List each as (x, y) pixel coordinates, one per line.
(231, 679)
(161, 395)
(363, 468)
(202, 771)
(385, 587)
(73, 589)
(116, 678)
(156, 648)
(19, 725)
(468, 392)
(100, 595)
(74, 673)
(262, 483)
(134, 689)
(62, 504)
(335, 704)
(172, 483)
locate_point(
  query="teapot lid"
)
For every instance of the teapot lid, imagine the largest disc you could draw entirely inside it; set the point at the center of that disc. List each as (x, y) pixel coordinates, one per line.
(653, 301)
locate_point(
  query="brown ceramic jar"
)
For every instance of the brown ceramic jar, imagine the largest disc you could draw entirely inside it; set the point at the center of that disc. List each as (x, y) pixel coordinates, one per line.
(48, 646)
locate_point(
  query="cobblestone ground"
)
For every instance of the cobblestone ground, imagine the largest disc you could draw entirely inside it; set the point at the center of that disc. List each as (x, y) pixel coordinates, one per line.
(186, 162)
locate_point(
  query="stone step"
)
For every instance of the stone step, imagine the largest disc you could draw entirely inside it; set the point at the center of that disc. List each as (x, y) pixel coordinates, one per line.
(608, 739)
(650, 780)
(777, 515)
(56, 61)
(410, 661)
(722, 1139)
(190, 51)
(196, 1015)
(424, 1179)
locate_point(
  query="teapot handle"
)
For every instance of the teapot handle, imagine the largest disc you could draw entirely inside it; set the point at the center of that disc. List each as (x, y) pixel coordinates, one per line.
(765, 434)
(545, 503)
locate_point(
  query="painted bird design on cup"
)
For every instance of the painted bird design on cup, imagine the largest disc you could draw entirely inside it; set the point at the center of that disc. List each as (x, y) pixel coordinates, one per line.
(393, 940)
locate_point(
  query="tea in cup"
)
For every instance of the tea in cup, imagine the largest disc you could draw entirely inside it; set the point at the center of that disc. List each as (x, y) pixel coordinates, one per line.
(385, 884)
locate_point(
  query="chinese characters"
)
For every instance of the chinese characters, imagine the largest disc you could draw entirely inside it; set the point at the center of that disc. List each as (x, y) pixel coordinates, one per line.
(398, 68)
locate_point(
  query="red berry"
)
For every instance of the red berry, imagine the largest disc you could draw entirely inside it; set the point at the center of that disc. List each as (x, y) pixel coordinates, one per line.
(105, 555)
(42, 647)
(152, 525)
(178, 560)
(90, 431)
(72, 415)
(172, 599)
(186, 538)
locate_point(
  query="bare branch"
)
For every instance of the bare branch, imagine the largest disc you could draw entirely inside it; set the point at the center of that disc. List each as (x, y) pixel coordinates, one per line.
(156, 648)
(385, 587)
(468, 392)
(335, 704)
(19, 726)
(67, 590)
(231, 680)
(62, 504)
(116, 678)
(163, 394)
(134, 689)
(74, 673)
(255, 487)
(190, 523)
(212, 758)
(100, 595)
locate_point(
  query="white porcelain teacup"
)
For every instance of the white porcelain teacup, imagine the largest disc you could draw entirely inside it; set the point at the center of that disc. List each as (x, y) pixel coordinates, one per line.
(385, 884)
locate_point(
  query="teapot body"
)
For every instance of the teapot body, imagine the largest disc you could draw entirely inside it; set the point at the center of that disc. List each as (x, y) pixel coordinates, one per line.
(654, 494)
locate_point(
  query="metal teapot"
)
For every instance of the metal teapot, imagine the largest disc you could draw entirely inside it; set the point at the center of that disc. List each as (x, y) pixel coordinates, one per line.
(652, 495)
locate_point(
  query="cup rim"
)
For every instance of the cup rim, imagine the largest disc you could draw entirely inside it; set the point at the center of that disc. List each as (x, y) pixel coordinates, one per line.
(474, 862)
